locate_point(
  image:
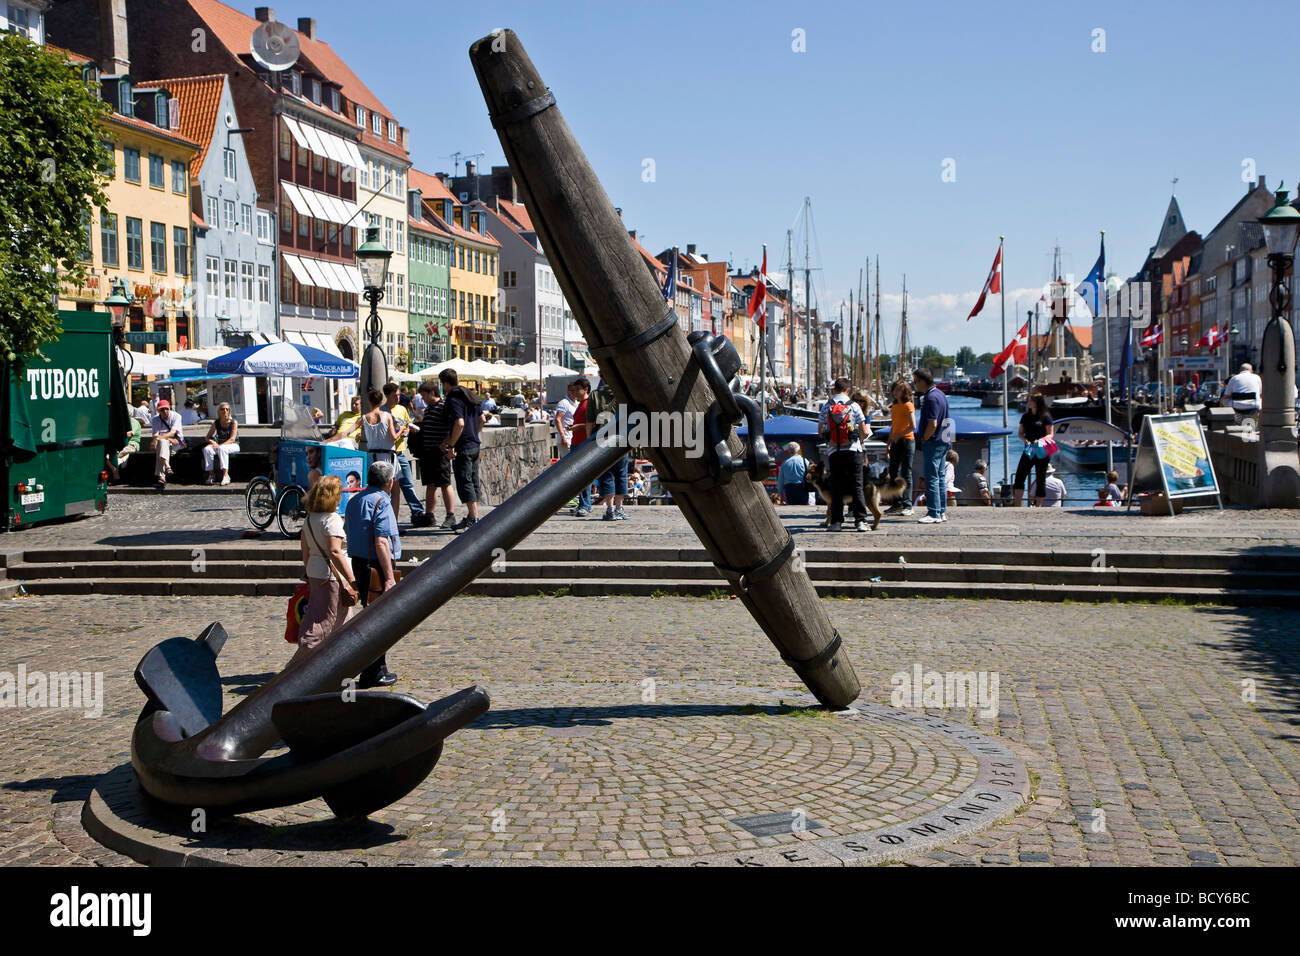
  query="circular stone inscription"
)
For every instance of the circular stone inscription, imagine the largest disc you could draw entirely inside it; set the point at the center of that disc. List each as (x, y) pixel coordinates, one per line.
(690, 778)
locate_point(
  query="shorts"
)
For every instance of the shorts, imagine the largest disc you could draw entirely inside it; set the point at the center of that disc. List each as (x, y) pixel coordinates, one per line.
(465, 467)
(435, 469)
(614, 481)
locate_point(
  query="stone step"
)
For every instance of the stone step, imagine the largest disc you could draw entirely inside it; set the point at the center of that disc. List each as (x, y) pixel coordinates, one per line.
(525, 587)
(1054, 559)
(561, 573)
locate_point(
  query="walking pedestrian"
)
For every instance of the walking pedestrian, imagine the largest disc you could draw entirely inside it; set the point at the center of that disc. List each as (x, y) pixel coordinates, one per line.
(902, 443)
(435, 464)
(402, 422)
(222, 441)
(1035, 427)
(332, 587)
(373, 542)
(843, 425)
(168, 437)
(461, 445)
(936, 437)
(791, 478)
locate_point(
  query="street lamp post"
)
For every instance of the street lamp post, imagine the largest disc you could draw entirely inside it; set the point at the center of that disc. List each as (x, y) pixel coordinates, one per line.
(372, 262)
(118, 301)
(1281, 228)
(1279, 478)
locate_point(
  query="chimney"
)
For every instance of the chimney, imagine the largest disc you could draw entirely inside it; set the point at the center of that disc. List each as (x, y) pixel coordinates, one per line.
(404, 135)
(632, 233)
(690, 248)
(619, 210)
(1260, 183)
(469, 168)
(264, 14)
(307, 27)
(114, 55)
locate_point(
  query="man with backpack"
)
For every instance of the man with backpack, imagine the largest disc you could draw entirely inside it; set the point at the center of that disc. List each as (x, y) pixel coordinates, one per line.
(464, 414)
(843, 426)
(435, 466)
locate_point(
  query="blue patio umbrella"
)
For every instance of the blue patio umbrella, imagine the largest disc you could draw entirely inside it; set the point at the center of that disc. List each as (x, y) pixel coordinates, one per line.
(284, 359)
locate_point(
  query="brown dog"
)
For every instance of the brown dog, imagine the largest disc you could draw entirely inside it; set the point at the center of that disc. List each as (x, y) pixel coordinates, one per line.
(882, 491)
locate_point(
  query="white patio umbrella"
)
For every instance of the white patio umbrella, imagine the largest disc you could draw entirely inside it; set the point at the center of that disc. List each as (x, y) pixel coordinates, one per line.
(160, 364)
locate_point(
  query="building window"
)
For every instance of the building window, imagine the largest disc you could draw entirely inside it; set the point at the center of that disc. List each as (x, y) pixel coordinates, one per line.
(315, 91)
(228, 215)
(302, 225)
(295, 83)
(126, 100)
(108, 237)
(178, 177)
(302, 157)
(335, 103)
(286, 149)
(492, 265)
(319, 229)
(181, 250)
(213, 212)
(392, 132)
(365, 175)
(228, 163)
(347, 235)
(388, 233)
(156, 167)
(317, 163)
(212, 268)
(461, 253)
(134, 243)
(246, 281)
(110, 160)
(158, 246)
(231, 290)
(286, 283)
(331, 168)
(264, 284)
(263, 226)
(361, 116)
(131, 164)
(400, 240)
(246, 218)
(401, 291)
(286, 215)
(376, 124)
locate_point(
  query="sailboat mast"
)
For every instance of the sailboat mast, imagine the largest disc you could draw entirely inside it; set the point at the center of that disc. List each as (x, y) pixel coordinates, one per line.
(807, 301)
(903, 362)
(878, 343)
(789, 294)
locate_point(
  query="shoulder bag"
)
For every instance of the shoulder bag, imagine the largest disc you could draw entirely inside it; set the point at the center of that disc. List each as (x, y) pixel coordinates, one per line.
(347, 594)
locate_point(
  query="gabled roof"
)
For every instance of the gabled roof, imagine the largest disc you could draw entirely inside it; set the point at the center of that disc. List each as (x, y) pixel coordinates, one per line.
(76, 58)
(431, 187)
(516, 212)
(658, 267)
(234, 29)
(132, 122)
(200, 99)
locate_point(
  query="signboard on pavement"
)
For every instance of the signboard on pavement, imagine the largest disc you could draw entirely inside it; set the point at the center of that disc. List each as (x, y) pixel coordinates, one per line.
(1173, 457)
(1191, 363)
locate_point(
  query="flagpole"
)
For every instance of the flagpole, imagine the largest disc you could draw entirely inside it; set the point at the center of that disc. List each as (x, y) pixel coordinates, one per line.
(762, 343)
(1110, 448)
(1002, 284)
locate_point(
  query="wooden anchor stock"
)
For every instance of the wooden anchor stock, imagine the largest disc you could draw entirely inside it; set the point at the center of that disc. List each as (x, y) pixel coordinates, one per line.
(645, 357)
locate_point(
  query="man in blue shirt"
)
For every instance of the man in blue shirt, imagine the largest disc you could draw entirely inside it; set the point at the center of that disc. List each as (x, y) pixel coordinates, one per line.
(790, 484)
(373, 541)
(934, 429)
(843, 426)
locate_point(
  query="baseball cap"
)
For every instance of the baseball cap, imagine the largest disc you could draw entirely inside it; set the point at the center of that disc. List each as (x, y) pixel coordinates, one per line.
(163, 403)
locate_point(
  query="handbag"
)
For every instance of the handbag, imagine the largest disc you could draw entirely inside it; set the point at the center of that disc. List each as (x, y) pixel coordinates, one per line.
(1049, 446)
(376, 584)
(347, 595)
(297, 610)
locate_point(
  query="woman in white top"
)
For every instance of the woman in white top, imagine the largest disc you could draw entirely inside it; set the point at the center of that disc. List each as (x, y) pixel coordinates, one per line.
(380, 429)
(329, 572)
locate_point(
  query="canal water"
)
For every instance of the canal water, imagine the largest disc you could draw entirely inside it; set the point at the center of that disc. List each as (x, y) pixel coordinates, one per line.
(1080, 486)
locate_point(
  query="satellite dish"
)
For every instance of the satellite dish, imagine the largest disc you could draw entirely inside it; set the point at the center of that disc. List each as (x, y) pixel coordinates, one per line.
(274, 46)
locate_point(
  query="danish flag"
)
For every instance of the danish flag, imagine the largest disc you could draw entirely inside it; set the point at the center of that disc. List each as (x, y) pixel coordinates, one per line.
(1153, 337)
(992, 284)
(1017, 350)
(1212, 339)
(756, 310)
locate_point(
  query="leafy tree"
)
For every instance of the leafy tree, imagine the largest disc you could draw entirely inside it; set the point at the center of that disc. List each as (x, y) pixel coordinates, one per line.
(986, 358)
(965, 356)
(51, 174)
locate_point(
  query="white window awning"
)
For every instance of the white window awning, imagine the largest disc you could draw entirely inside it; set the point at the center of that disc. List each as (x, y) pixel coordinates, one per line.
(309, 202)
(323, 143)
(324, 274)
(296, 267)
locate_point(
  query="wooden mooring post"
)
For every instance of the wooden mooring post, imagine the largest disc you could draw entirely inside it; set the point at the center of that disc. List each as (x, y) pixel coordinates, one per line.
(645, 357)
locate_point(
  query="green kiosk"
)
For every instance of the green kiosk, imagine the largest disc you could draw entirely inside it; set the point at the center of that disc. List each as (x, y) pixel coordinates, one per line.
(61, 411)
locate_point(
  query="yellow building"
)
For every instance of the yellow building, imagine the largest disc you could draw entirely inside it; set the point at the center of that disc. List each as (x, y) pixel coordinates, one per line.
(476, 331)
(142, 235)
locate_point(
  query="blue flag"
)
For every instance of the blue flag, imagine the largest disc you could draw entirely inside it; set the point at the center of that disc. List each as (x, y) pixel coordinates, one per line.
(1095, 282)
(670, 282)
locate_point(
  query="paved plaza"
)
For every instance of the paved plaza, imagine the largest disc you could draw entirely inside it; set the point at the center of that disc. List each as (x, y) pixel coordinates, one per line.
(666, 729)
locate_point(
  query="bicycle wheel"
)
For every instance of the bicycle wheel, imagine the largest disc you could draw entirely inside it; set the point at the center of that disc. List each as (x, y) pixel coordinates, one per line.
(259, 500)
(291, 512)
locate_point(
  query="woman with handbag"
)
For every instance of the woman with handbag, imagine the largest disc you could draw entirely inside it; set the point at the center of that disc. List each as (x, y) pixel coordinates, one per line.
(1036, 431)
(332, 588)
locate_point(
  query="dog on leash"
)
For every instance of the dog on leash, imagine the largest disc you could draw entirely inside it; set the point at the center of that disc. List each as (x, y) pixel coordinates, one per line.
(877, 492)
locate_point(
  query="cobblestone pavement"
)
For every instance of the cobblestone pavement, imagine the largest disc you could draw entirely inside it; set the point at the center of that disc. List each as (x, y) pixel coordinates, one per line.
(1157, 735)
(178, 517)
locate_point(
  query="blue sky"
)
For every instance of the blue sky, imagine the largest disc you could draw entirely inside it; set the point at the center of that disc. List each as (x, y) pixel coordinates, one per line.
(1051, 140)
